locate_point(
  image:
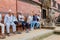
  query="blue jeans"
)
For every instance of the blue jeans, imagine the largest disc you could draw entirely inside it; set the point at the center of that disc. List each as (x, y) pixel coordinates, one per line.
(33, 24)
(38, 24)
(24, 24)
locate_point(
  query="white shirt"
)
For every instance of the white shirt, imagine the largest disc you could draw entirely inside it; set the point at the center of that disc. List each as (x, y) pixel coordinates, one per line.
(30, 18)
(38, 17)
(14, 18)
(8, 19)
(21, 18)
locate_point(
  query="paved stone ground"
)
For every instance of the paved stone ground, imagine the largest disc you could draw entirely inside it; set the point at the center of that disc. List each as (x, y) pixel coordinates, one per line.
(53, 37)
(25, 35)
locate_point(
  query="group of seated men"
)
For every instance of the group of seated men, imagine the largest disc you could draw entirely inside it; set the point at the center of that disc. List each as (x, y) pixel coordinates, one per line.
(11, 20)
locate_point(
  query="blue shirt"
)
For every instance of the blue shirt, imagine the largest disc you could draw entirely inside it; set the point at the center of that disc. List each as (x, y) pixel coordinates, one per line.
(34, 18)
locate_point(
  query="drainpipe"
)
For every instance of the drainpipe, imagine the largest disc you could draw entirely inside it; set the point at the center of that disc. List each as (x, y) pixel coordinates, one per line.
(16, 9)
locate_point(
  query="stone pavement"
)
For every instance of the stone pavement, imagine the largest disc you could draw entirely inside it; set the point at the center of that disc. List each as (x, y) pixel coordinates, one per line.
(53, 37)
(28, 36)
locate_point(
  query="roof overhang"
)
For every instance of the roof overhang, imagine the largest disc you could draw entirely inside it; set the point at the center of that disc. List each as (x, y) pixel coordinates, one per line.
(31, 2)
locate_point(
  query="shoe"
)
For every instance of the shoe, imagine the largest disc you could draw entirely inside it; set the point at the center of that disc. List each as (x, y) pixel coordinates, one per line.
(27, 31)
(18, 32)
(38, 27)
(14, 32)
(8, 34)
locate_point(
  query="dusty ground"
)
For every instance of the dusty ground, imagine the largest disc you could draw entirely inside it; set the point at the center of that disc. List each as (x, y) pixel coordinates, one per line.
(53, 37)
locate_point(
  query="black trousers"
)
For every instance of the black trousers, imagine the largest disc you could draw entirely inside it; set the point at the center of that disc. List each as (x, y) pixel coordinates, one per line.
(24, 24)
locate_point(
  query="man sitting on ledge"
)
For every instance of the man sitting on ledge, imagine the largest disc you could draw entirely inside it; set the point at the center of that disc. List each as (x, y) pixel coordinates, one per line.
(2, 27)
(9, 20)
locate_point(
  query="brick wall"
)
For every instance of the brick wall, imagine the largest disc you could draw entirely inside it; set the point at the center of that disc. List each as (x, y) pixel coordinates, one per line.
(23, 7)
(5, 5)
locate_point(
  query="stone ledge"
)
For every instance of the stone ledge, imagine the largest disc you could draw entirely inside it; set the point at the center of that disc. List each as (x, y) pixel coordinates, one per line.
(57, 29)
(40, 35)
(48, 27)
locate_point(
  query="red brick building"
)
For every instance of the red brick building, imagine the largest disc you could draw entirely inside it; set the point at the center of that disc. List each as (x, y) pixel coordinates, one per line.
(5, 5)
(22, 7)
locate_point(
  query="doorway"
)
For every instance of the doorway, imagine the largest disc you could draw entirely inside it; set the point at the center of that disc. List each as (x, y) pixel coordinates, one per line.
(43, 13)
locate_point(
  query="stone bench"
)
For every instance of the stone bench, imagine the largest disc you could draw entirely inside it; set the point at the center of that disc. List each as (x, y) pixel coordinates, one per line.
(38, 34)
(57, 29)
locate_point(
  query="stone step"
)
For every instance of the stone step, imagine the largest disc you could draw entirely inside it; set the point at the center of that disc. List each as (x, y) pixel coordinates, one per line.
(32, 35)
(57, 29)
(41, 34)
(49, 27)
(53, 37)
